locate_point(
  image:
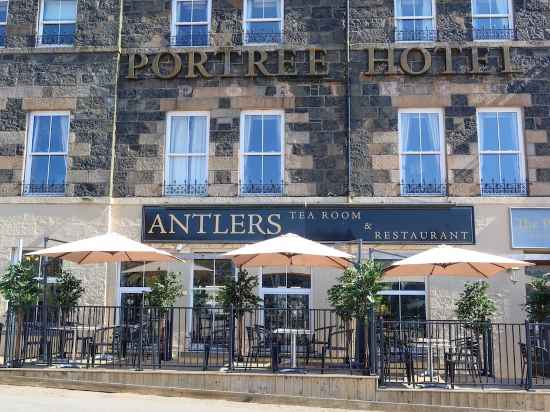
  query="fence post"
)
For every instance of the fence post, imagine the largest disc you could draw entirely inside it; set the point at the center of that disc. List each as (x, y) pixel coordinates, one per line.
(371, 365)
(7, 336)
(231, 337)
(381, 348)
(140, 343)
(529, 378)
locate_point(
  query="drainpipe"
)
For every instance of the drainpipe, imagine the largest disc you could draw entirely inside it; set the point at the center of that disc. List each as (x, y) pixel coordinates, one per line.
(348, 96)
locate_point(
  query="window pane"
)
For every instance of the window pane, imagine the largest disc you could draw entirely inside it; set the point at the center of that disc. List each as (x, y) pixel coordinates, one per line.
(58, 170)
(431, 169)
(59, 133)
(423, 8)
(508, 129)
(424, 26)
(488, 127)
(184, 11)
(412, 286)
(41, 133)
(200, 10)
(57, 10)
(184, 36)
(490, 169)
(252, 133)
(252, 170)
(413, 307)
(199, 35)
(272, 9)
(224, 270)
(203, 273)
(411, 169)
(405, 8)
(272, 171)
(499, 6)
(511, 168)
(299, 280)
(272, 133)
(410, 132)
(3, 11)
(482, 6)
(178, 171)
(39, 170)
(264, 32)
(389, 307)
(197, 132)
(255, 9)
(2, 36)
(58, 33)
(273, 280)
(429, 130)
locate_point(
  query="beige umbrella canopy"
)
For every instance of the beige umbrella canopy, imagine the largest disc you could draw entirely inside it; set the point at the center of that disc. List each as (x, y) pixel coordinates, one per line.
(289, 249)
(110, 247)
(452, 261)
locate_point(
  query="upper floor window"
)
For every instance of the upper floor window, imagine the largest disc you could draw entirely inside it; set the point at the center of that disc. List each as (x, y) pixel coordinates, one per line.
(415, 20)
(262, 153)
(47, 150)
(57, 23)
(187, 154)
(492, 19)
(263, 21)
(3, 21)
(502, 169)
(190, 22)
(421, 142)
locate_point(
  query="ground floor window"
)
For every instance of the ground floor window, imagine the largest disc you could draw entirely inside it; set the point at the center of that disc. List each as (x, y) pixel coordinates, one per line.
(286, 297)
(403, 300)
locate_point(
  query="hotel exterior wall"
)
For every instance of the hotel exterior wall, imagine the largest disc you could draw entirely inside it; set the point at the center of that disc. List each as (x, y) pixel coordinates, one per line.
(30, 220)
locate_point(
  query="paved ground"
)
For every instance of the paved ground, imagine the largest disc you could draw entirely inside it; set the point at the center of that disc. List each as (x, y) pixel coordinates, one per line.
(30, 399)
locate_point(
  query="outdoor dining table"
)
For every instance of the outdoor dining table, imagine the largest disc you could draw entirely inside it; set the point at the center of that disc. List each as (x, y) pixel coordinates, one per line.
(430, 344)
(75, 329)
(293, 341)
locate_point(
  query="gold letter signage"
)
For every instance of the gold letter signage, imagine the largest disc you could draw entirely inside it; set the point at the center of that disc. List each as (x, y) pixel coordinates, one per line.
(382, 60)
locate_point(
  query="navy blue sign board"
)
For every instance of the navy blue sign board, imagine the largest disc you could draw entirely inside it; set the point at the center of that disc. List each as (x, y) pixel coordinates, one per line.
(245, 224)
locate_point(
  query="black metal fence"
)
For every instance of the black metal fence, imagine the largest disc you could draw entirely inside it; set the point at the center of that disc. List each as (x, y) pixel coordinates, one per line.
(199, 338)
(425, 353)
(457, 353)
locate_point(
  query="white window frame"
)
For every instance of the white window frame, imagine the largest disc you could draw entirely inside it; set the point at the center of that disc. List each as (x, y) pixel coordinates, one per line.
(168, 156)
(242, 153)
(40, 28)
(29, 152)
(521, 143)
(510, 17)
(4, 23)
(215, 288)
(260, 20)
(441, 152)
(175, 24)
(433, 18)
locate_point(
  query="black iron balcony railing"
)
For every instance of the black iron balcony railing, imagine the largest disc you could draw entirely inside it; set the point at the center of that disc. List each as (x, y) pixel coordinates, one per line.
(416, 35)
(237, 38)
(186, 189)
(503, 188)
(265, 188)
(56, 40)
(493, 34)
(423, 189)
(3, 40)
(45, 189)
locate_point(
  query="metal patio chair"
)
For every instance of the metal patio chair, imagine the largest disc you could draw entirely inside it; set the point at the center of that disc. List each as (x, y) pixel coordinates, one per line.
(259, 344)
(339, 341)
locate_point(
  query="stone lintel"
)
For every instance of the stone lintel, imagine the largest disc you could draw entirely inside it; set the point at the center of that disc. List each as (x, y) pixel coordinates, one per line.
(499, 100)
(411, 101)
(58, 103)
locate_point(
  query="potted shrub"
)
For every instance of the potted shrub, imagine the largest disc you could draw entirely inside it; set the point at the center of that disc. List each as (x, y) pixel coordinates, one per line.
(18, 285)
(162, 297)
(355, 295)
(67, 292)
(239, 293)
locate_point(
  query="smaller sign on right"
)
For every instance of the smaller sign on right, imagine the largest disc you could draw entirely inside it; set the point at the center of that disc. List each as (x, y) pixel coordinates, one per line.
(530, 227)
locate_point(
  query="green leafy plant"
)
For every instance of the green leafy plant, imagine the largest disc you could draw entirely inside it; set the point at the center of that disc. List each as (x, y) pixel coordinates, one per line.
(68, 290)
(239, 293)
(538, 300)
(474, 307)
(19, 286)
(165, 291)
(357, 290)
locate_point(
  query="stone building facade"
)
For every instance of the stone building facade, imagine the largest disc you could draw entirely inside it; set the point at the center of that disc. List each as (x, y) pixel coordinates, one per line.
(342, 77)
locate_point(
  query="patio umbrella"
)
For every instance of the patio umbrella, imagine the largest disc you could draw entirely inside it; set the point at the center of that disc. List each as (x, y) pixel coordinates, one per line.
(452, 261)
(107, 248)
(289, 249)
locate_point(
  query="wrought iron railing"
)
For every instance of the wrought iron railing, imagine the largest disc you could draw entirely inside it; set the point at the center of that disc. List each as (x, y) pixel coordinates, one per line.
(493, 34)
(504, 188)
(186, 189)
(415, 36)
(423, 189)
(235, 38)
(55, 40)
(264, 188)
(45, 189)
